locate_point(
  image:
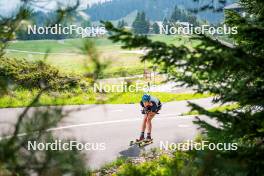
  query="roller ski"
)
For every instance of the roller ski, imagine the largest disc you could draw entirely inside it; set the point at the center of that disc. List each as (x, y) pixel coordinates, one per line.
(141, 142)
(150, 107)
(146, 142)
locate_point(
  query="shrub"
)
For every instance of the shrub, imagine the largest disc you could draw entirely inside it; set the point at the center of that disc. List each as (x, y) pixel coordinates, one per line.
(180, 164)
(35, 75)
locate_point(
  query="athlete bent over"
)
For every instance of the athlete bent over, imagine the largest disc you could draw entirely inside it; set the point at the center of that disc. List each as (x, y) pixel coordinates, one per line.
(151, 105)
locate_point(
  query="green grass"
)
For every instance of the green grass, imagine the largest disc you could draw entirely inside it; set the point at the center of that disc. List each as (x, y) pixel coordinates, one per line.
(176, 40)
(130, 98)
(121, 63)
(216, 109)
(67, 45)
(112, 165)
(103, 44)
(22, 98)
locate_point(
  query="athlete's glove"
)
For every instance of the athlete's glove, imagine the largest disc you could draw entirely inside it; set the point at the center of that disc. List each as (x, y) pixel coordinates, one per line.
(145, 111)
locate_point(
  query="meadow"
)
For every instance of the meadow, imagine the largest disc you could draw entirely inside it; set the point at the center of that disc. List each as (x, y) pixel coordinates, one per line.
(23, 97)
(68, 57)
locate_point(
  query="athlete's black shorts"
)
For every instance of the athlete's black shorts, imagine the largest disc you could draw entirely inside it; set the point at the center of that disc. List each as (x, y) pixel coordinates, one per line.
(155, 108)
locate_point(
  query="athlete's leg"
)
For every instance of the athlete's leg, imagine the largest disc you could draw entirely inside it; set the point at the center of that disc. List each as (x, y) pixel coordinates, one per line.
(149, 124)
(143, 127)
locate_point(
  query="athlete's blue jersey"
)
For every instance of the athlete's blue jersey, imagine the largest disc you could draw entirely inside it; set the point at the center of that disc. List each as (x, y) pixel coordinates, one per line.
(156, 104)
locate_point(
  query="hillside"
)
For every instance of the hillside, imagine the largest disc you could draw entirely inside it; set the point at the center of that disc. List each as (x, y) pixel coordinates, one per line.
(155, 9)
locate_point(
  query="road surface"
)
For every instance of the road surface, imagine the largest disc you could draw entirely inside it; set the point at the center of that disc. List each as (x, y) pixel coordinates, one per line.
(116, 125)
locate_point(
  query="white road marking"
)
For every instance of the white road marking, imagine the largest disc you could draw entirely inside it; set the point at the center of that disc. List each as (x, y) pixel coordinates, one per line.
(96, 123)
(105, 122)
(134, 52)
(168, 115)
(42, 53)
(183, 126)
(117, 110)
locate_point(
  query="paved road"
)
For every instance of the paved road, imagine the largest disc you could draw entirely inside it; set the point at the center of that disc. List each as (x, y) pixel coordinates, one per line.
(116, 125)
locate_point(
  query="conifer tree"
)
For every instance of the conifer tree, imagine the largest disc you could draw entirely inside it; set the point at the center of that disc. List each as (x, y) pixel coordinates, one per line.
(234, 75)
(141, 24)
(155, 28)
(121, 24)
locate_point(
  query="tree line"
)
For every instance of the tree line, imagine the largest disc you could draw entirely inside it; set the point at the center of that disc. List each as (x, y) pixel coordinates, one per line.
(142, 25)
(156, 10)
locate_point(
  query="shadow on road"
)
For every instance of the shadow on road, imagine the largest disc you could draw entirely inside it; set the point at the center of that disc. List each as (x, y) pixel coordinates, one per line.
(133, 151)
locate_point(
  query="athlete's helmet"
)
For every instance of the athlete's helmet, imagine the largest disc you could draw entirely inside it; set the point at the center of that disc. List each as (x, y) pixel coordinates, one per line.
(145, 98)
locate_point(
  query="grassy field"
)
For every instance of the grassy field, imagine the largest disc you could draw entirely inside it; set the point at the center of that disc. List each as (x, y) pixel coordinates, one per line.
(73, 45)
(23, 97)
(67, 56)
(222, 108)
